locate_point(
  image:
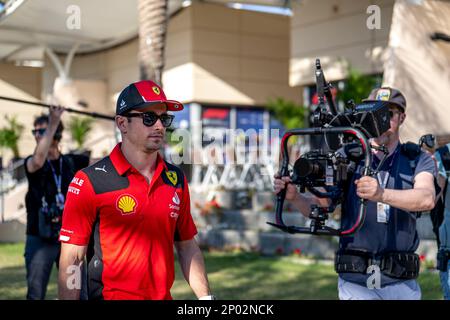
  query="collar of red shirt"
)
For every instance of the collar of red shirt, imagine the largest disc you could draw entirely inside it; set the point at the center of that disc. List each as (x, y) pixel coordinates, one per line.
(122, 165)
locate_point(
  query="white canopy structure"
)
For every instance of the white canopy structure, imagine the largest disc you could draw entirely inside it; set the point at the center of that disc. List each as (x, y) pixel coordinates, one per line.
(27, 27)
(419, 66)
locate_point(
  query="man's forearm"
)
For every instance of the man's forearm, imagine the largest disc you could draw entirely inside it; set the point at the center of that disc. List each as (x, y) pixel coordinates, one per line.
(193, 267)
(70, 271)
(41, 151)
(43, 146)
(413, 200)
(70, 280)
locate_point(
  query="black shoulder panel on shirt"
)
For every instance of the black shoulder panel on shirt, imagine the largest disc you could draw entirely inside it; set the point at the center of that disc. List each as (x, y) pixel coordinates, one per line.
(104, 177)
(173, 176)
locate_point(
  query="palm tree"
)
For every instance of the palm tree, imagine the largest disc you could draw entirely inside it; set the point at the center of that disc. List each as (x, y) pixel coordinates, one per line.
(357, 86)
(79, 129)
(10, 135)
(290, 114)
(152, 38)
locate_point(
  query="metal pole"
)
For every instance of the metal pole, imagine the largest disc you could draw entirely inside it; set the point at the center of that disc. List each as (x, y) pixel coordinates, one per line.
(40, 104)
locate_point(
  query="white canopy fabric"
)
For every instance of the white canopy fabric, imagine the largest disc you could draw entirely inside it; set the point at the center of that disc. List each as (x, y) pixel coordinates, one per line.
(27, 26)
(38, 23)
(420, 67)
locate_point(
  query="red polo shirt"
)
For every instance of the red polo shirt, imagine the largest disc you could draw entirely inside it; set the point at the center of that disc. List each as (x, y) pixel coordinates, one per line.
(129, 225)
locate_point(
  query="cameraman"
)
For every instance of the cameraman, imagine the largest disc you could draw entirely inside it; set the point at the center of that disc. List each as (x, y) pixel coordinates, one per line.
(387, 240)
(49, 174)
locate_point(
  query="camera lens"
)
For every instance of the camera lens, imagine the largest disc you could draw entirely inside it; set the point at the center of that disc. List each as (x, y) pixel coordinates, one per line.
(304, 167)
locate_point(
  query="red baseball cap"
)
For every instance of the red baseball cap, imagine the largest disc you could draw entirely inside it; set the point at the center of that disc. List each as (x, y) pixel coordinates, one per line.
(142, 94)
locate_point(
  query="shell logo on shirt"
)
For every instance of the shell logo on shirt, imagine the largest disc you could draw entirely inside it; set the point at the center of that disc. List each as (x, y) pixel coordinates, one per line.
(126, 204)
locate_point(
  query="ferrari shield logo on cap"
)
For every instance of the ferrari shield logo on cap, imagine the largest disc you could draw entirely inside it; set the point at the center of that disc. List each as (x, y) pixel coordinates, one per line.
(156, 90)
(383, 95)
(172, 176)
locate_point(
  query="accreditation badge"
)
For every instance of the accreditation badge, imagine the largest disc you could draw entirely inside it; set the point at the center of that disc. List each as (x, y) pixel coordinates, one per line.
(382, 212)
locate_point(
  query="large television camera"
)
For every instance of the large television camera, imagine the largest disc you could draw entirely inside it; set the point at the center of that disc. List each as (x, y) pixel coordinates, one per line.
(324, 171)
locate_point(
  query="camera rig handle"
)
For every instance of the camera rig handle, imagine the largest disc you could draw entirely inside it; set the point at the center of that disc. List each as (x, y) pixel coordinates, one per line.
(319, 215)
(324, 89)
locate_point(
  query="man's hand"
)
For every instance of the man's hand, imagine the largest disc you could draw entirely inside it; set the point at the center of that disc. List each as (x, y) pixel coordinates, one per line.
(280, 184)
(302, 202)
(55, 115)
(368, 188)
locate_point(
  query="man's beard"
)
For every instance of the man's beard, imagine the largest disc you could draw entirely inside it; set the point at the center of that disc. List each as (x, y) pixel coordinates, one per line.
(152, 146)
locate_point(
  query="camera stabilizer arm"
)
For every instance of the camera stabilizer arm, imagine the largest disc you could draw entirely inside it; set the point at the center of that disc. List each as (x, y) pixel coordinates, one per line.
(319, 215)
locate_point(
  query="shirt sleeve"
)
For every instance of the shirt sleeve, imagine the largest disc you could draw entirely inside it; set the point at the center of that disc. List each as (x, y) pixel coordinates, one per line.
(79, 211)
(33, 177)
(185, 229)
(425, 164)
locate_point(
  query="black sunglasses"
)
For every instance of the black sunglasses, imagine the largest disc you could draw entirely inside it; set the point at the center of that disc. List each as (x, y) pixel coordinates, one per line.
(391, 113)
(40, 131)
(150, 118)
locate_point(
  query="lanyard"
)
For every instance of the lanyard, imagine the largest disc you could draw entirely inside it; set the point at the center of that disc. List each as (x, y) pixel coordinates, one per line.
(56, 177)
(383, 184)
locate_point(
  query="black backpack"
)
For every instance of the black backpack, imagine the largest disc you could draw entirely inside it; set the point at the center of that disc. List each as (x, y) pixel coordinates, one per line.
(437, 214)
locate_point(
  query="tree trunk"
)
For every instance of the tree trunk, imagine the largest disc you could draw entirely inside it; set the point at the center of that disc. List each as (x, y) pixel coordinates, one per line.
(15, 151)
(152, 36)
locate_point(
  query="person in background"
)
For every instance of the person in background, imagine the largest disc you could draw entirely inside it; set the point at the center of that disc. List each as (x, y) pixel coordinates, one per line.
(441, 219)
(49, 173)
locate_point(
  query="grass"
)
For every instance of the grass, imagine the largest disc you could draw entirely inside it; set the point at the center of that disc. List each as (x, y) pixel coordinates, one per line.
(232, 276)
(13, 276)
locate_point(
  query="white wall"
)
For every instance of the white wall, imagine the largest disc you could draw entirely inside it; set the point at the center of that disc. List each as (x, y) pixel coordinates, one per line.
(20, 83)
(335, 31)
(216, 54)
(240, 56)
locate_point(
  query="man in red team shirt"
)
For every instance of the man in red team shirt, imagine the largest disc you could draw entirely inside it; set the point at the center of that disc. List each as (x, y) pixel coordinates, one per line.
(127, 211)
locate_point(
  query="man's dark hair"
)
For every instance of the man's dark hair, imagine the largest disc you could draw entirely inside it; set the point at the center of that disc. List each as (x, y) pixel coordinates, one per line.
(43, 118)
